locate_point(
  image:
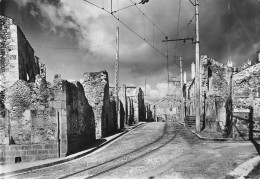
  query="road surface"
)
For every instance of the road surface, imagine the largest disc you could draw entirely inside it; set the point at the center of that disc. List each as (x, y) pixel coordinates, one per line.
(154, 150)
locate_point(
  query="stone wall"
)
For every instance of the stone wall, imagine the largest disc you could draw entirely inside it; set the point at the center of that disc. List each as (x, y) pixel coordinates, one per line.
(28, 64)
(130, 111)
(166, 109)
(44, 113)
(215, 91)
(246, 92)
(32, 112)
(96, 87)
(216, 86)
(9, 53)
(190, 98)
(17, 56)
(148, 113)
(80, 118)
(27, 153)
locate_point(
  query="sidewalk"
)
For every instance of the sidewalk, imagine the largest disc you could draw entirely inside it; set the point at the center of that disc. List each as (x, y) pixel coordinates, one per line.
(241, 171)
(15, 168)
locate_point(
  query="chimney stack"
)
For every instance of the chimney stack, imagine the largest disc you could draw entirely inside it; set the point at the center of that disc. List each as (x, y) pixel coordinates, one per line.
(192, 70)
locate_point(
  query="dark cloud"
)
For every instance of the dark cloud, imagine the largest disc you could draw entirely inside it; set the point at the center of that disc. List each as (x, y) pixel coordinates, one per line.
(229, 29)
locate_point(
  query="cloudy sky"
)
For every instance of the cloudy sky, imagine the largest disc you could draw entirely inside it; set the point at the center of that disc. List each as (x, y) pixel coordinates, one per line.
(72, 36)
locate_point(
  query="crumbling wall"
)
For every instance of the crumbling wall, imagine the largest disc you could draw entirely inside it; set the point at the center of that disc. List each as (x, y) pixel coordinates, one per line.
(96, 87)
(28, 64)
(17, 56)
(190, 98)
(112, 118)
(80, 118)
(9, 72)
(215, 89)
(132, 93)
(166, 109)
(30, 122)
(141, 106)
(130, 111)
(32, 115)
(246, 92)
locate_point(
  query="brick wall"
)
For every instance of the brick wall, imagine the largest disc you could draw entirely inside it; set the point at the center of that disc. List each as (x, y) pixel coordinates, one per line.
(8, 153)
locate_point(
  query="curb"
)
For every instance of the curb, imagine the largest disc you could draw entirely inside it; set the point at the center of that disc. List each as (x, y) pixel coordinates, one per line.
(207, 138)
(66, 159)
(244, 169)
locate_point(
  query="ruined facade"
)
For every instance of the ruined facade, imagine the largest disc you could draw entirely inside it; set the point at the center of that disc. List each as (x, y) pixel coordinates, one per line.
(166, 109)
(223, 86)
(17, 60)
(96, 87)
(245, 93)
(40, 120)
(135, 110)
(44, 120)
(215, 90)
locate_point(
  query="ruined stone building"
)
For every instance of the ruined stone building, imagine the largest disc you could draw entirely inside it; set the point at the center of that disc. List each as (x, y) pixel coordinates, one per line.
(149, 112)
(39, 119)
(96, 87)
(222, 86)
(133, 100)
(17, 56)
(165, 109)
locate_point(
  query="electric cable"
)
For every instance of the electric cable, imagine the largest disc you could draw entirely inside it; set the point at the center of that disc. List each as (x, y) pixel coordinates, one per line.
(73, 48)
(127, 27)
(149, 19)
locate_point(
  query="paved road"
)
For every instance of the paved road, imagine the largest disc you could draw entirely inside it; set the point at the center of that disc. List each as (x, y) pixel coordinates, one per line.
(155, 150)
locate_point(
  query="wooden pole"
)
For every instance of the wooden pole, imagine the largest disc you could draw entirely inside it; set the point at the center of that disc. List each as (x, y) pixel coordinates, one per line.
(117, 79)
(198, 105)
(181, 114)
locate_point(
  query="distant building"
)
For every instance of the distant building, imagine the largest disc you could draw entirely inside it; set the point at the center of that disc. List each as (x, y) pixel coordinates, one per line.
(166, 109)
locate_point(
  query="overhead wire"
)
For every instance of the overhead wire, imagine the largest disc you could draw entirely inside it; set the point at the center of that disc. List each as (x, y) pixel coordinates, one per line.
(124, 24)
(177, 34)
(116, 11)
(72, 48)
(185, 27)
(149, 19)
(117, 8)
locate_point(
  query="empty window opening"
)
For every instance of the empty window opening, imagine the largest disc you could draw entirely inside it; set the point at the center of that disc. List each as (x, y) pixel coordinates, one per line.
(17, 159)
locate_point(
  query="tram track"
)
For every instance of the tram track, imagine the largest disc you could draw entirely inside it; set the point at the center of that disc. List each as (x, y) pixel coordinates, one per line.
(168, 136)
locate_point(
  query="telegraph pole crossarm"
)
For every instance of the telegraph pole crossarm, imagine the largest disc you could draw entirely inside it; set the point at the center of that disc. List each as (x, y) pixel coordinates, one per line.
(184, 39)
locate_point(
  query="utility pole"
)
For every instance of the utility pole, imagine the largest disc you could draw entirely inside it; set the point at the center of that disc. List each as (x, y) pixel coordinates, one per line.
(117, 78)
(168, 75)
(145, 87)
(197, 56)
(181, 115)
(111, 6)
(197, 77)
